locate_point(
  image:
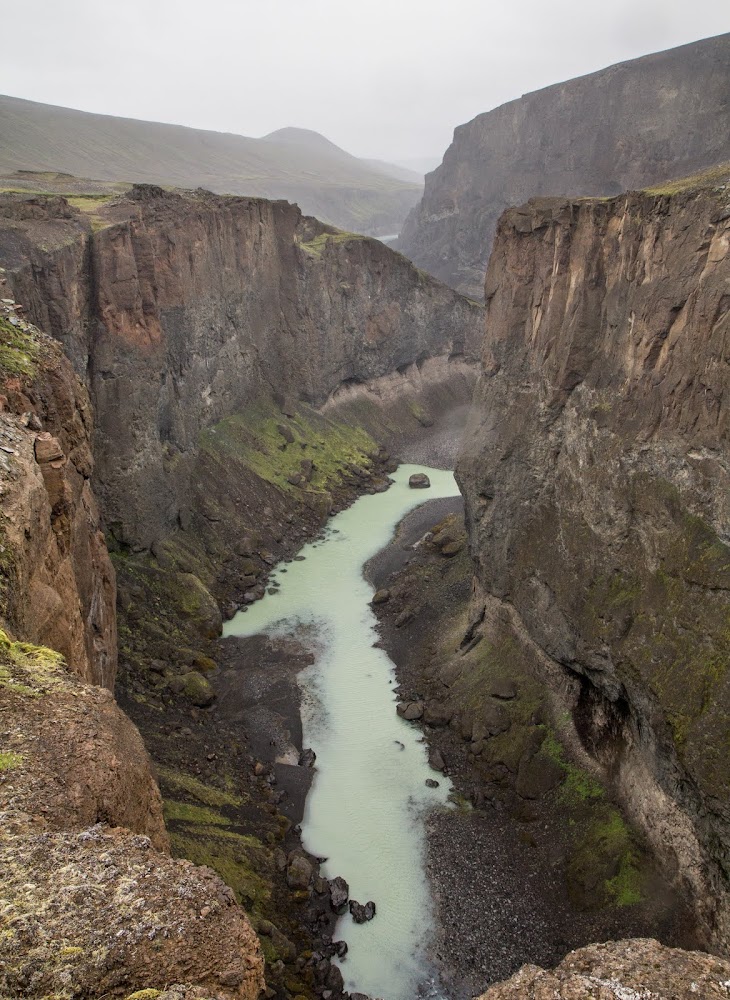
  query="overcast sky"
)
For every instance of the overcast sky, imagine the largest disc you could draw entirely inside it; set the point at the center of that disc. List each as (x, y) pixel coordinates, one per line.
(382, 78)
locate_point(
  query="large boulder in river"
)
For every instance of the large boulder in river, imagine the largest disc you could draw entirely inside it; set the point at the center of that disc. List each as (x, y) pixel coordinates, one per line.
(419, 481)
(339, 894)
(361, 913)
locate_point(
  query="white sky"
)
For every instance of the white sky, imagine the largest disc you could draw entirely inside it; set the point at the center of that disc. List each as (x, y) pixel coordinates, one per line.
(382, 78)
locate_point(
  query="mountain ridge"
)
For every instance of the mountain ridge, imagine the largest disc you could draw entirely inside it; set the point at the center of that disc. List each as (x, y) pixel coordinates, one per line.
(323, 179)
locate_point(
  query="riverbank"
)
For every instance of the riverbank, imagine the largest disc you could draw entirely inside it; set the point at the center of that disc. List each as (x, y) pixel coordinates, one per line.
(523, 871)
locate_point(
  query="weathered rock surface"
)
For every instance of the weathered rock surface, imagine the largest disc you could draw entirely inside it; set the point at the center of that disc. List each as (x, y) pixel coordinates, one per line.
(633, 124)
(75, 758)
(638, 969)
(57, 585)
(597, 495)
(101, 913)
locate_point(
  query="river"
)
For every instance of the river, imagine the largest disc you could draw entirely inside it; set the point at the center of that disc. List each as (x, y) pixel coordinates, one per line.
(365, 811)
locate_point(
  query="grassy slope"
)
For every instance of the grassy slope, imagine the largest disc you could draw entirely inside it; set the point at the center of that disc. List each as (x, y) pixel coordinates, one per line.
(324, 180)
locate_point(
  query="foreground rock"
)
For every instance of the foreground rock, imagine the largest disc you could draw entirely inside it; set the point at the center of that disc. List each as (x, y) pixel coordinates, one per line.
(101, 913)
(639, 969)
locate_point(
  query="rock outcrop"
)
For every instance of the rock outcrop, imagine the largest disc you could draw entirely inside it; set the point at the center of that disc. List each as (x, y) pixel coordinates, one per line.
(628, 126)
(597, 485)
(638, 969)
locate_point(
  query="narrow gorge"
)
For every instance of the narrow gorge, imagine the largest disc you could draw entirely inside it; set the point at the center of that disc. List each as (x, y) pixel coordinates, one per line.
(195, 386)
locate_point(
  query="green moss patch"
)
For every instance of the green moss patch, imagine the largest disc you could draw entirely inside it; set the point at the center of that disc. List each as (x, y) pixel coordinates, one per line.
(27, 669)
(177, 782)
(606, 865)
(9, 761)
(18, 351)
(254, 440)
(236, 857)
(317, 246)
(578, 785)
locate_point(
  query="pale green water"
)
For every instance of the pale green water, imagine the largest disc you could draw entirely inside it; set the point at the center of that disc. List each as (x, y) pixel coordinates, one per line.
(365, 810)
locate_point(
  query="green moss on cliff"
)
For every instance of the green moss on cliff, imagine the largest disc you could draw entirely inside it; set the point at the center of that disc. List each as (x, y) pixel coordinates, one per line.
(578, 785)
(177, 782)
(18, 351)
(316, 246)
(9, 760)
(254, 440)
(606, 866)
(28, 669)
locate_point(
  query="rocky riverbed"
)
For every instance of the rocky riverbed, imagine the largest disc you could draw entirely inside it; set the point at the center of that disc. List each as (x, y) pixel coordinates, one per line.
(520, 867)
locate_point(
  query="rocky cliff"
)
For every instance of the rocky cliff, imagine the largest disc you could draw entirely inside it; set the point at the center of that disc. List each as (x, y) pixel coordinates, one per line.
(631, 125)
(57, 585)
(596, 481)
(179, 311)
(92, 902)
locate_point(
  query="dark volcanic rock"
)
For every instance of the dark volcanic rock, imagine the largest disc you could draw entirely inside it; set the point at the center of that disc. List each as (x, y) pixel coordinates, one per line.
(661, 116)
(339, 894)
(362, 912)
(419, 481)
(138, 300)
(598, 497)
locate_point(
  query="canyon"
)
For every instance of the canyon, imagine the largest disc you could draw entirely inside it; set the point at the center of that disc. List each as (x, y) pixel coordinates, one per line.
(216, 376)
(661, 116)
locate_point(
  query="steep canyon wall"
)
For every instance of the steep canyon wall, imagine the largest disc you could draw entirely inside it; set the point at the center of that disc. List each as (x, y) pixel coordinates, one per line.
(631, 125)
(597, 484)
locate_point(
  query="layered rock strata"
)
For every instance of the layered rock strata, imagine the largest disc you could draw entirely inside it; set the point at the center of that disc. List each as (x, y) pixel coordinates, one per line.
(92, 902)
(631, 125)
(595, 472)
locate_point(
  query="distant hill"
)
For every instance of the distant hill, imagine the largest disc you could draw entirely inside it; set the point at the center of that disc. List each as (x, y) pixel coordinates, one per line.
(629, 126)
(295, 164)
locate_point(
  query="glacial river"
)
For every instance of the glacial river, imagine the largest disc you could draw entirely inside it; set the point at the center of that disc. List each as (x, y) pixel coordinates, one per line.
(365, 811)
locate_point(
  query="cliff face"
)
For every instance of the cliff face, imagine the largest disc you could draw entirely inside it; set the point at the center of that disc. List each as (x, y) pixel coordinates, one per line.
(597, 483)
(57, 584)
(72, 762)
(628, 126)
(180, 311)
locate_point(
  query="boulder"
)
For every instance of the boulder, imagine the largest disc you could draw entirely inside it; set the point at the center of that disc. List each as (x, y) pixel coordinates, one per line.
(381, 596)
(419, 481)
(339, 894)
(504, 688)
(436, 714)
(299, 872)
(197, 689)
(361, 913)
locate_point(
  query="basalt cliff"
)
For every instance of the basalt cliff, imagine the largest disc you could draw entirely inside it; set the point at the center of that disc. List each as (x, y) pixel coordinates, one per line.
(596, 480)
(631, 125)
